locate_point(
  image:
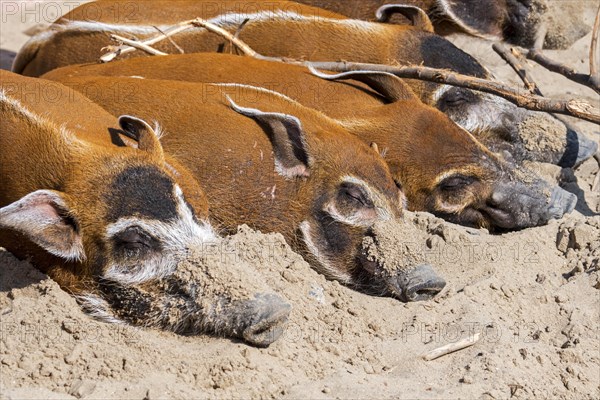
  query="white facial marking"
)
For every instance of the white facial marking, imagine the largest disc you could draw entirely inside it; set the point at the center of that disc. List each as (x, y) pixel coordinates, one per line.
(176, 239)
(97, 308)
(353, 220)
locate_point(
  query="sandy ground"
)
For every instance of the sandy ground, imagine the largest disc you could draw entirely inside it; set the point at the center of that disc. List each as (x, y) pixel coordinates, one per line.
(534, 296)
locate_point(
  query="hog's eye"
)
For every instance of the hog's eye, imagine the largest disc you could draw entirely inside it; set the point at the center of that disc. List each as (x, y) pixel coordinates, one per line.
(455, 97)
(398, 184)
(356, 195)
(134, 240)
(456, 182)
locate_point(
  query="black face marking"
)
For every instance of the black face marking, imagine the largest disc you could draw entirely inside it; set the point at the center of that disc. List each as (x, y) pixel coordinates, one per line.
(128, 303)
(438, 52)
(141, 192)
(334, 233)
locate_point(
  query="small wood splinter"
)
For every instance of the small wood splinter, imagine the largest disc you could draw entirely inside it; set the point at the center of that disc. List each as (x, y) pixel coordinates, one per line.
(452, 347)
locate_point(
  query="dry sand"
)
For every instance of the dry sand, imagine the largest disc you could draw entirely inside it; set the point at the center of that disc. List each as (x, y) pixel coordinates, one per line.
(534, 295)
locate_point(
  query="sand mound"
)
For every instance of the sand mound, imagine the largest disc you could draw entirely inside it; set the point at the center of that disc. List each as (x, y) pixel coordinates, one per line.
(534, 295)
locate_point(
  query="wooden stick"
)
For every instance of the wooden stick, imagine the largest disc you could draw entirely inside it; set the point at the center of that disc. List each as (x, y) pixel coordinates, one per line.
(513, 58)
(452, 347)
(593, 45)
(517, 61)
(180, 27)
(244, 48)
(590, 81)
(138, 45)
(575, 108)
(170, 40)
(596, 183)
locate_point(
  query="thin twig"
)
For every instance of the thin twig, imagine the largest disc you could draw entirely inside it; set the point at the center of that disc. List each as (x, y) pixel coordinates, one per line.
(244, 48)
(540, 36)
(575, 108)
(452, 347)
(240, 28)
(590, 81)
(512, 58)
(237, 33)
(138, 45)
(596, 183)
(517, 61)
(594, 44)
(170, 40)
(173, 30)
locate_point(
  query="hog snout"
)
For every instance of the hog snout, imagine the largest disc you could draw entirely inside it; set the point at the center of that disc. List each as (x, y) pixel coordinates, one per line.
(517, 206)
(269, 314)
(421, 283)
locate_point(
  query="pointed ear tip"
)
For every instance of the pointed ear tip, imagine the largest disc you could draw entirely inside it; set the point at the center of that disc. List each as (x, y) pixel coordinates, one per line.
(125, 118)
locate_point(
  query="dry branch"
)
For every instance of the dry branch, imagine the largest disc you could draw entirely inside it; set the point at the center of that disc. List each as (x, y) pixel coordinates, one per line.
(233, 39)
(138, 45)
(517, 61)
(594, 46)
(574, 108)
(513, 58)
(170, 40)
(124, 49)
(452, 347)
(590, 81)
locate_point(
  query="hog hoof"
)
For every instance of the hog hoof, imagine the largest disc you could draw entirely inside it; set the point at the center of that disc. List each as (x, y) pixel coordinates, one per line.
(271, 316)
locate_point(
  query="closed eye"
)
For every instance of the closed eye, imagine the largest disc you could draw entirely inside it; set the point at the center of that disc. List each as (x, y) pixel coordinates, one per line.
(456, 182)
(456, 97)
(356, 194)
(135, 240)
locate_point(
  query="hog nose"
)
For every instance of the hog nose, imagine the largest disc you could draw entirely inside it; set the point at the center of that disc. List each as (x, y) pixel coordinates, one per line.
(271, 313)
(578, 149)
(422, 283)
(561, 202)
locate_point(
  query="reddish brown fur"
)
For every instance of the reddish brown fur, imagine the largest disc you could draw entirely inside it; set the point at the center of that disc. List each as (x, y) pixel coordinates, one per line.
(234, 155)
(34, 157)
(316, 39)
(420, 142)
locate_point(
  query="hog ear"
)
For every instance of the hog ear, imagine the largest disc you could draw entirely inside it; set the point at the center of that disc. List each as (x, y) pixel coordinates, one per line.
(43, 217)
(388, 85)
(415, 15)
(287, 137)
(140, 131)
(483, 18)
